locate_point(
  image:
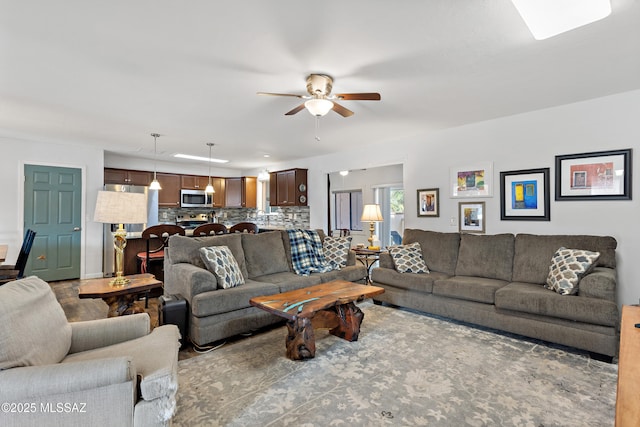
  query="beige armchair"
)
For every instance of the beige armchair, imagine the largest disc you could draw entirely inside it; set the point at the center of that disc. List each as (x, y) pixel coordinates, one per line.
(107, 372)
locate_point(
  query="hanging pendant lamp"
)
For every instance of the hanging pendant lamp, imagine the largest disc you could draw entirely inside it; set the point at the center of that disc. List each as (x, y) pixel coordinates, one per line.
(209, 189)
(155, 185)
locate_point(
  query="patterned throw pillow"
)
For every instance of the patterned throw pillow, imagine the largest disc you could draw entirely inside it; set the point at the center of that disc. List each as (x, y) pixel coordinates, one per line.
(220, 261)
(408, 258)
(567, 267)
(336, 250)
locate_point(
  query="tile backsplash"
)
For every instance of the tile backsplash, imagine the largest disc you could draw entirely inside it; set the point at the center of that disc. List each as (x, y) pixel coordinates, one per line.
(279, 217)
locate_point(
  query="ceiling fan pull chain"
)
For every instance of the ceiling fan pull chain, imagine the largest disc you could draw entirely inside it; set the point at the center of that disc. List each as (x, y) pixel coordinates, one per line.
(317, 127)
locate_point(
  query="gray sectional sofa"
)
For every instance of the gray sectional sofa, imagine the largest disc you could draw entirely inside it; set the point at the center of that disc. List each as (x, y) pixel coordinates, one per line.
(497, 281)
(265, 262)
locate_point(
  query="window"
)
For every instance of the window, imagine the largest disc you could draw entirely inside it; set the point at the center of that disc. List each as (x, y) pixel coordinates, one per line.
(348, 210)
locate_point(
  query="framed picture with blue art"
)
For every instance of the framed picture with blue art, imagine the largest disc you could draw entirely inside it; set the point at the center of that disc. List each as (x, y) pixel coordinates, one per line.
(524, 195)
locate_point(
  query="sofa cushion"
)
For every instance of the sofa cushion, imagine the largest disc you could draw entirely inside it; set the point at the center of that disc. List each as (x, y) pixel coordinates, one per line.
(226, 300)
(411, 281)
(34, 329)
(478, 289)
(336, 250)
(408, 258)
(264, 253)
(489, 256)
(220, 261)
(567, 267)
(535, 299)
(533, 252)
(288, 281)
(350, 273)
(439, 250)
(186, 249)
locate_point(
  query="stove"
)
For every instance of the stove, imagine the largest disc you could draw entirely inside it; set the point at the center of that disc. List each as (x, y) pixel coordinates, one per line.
(191, 221)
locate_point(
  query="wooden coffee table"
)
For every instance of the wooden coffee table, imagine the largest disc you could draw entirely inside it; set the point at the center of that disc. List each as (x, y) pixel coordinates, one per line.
(327, 305)
(120, 299)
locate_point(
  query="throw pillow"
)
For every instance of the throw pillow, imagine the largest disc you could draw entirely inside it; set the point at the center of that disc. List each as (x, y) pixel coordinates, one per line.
(220, 261)
(408, 258)
(567, 267)
(34, 327)
(336, 250)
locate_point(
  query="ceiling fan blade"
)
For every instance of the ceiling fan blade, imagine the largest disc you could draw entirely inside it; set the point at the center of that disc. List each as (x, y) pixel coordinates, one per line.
(280, 94)
(344, 112)
(295, 110)
(372, 96)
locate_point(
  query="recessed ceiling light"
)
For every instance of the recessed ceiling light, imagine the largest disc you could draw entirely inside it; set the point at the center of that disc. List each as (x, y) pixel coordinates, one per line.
(547, 18)
(204, 159)
(266, 155)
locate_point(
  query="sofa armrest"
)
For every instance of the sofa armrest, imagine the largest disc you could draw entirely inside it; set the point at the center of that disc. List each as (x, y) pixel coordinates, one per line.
(386, 261)
(188, 280)
(99, 333)
(31, 382)
(600, 283)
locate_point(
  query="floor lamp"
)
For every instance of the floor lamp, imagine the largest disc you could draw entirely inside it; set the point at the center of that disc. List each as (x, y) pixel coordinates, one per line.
(117, 207)
(372, 214)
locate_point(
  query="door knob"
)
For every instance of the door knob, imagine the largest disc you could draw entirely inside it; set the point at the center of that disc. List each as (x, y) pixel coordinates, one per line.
(76, 228)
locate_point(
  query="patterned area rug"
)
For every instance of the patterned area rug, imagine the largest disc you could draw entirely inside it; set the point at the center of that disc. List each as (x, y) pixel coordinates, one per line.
(406, 369)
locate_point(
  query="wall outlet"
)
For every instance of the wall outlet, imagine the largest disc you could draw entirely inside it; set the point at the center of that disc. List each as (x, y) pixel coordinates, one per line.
(453, 221)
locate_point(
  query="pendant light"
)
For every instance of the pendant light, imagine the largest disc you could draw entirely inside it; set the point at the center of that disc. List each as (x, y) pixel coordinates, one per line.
(209, 189)
(155, 185)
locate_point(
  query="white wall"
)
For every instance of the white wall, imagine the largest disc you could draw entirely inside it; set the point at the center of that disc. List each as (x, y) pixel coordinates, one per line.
(17, 153)
(525, 141)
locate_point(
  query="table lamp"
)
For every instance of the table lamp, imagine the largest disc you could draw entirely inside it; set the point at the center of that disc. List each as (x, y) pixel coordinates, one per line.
(372, 214)
(117, 207)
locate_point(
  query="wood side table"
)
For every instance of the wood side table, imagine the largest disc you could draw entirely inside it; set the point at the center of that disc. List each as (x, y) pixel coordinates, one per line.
(627, 404)
(120, 299)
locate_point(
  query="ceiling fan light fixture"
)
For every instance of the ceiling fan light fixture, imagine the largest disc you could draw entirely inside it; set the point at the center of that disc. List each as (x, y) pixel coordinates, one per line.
(548, 18)
(318, 106)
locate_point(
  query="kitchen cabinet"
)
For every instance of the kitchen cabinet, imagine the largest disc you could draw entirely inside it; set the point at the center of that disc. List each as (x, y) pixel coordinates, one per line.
(194, 182)
(288, 187)
(219, 195)
(128, 177)
(169, 196)
(241, 192)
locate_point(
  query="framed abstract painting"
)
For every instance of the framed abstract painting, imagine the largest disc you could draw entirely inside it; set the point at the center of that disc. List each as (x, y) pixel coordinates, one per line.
(524, 195)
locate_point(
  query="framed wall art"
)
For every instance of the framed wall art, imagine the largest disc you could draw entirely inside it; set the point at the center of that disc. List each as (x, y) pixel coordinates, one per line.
(524, 195)
(471, 217)
(429, 202)
(601, 175)
(472, 181)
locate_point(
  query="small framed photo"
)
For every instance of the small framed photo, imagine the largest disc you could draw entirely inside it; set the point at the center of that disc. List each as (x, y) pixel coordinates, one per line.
(472, 180)
(601, 175)
(471, 217)
(429, 202)
(524, 195)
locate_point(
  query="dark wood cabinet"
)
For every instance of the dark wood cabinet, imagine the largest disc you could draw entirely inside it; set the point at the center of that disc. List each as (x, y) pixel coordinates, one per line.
(194, 182)
(288, 187)
(241, 192)
(128, 177)
(169, 196)
(219, 195)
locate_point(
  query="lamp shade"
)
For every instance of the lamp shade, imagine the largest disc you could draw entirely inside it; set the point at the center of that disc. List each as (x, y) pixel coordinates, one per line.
(117, 207)
(371, 213)
(318, 106)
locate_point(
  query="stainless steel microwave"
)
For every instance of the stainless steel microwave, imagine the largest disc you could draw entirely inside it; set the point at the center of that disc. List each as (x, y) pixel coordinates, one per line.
(195, 199)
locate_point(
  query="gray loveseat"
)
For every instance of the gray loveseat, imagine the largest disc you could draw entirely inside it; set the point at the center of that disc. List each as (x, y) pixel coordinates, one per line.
(497, 281)
(265, 262)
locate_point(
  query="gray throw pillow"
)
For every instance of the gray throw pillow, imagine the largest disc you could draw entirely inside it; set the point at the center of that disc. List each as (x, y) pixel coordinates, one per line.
(220, 261)
(408, 258)
(336, 251)
(567, 267)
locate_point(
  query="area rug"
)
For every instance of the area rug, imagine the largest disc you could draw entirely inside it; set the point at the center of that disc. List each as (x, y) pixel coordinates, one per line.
(406, 369)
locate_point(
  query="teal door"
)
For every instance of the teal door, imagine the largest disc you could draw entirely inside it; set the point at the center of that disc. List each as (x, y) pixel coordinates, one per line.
(52, 208)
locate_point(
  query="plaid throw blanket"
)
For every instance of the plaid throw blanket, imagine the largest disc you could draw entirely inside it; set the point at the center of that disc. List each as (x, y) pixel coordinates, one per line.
(307, 255)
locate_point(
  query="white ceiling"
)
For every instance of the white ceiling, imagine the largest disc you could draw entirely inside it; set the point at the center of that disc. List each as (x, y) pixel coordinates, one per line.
(110, 73)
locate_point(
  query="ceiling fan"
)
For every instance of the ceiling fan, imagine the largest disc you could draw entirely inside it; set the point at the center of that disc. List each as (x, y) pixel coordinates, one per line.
(320, 100)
